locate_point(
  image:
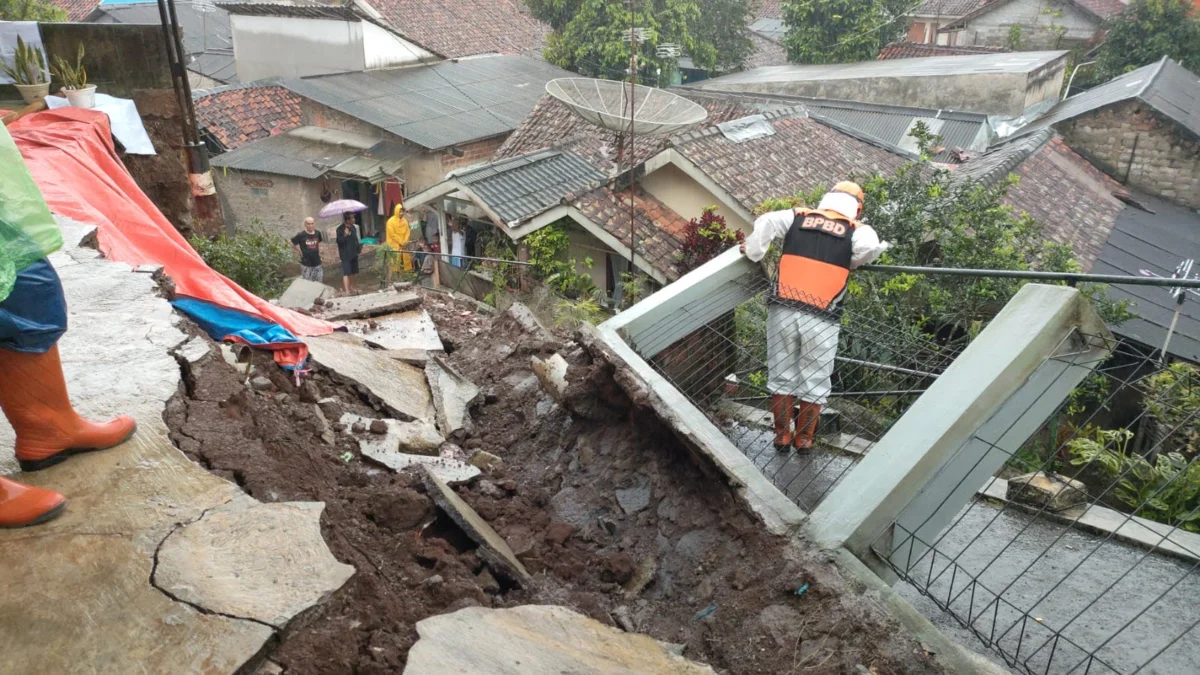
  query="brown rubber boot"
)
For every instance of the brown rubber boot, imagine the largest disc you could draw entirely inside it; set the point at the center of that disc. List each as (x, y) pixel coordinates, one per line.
(22, 505)
(806, 425)
(33, 394)
(781, 409)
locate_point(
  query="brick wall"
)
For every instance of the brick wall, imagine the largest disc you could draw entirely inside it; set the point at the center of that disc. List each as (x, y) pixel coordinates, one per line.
(281, 203)
(1131, 138)
(473, 153)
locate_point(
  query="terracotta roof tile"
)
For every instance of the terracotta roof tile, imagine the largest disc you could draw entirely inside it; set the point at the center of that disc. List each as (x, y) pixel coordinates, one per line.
(77, 10)
(1105, 9)
(950, 9)
(769, 9)
(455, 28)
(909, 50)
(657, 225)
(240, 114)
(766, 53)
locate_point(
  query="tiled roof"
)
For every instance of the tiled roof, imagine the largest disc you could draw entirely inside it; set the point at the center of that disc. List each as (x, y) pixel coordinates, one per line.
(456, 28)
(77, 10)
(766, 53)
(1073, 201)
(1105, 9)
(521, 187)
(440, 104)
(910, 50)
(238, 115)
(553, 125)
(1101, 9)
(950, 9)
(768, 8)
(1165, 86)
(657, 227)
(802, 154)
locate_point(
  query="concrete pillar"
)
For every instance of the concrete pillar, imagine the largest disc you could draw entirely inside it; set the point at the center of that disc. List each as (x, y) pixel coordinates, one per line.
(999, 390)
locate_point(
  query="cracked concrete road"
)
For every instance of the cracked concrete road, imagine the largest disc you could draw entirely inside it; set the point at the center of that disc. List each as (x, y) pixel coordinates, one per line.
(79, 595)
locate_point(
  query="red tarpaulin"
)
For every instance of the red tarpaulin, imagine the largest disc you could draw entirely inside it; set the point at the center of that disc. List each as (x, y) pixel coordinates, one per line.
(71, 156)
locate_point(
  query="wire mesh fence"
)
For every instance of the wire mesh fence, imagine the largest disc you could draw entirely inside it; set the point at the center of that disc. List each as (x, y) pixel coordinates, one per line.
(1079, 554)
(802, 388)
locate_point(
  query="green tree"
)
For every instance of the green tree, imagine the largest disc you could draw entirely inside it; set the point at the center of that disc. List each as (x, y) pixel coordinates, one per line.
(252, 258)
(1146, 31)
(588, 35)
(30, 10)
(840, 31)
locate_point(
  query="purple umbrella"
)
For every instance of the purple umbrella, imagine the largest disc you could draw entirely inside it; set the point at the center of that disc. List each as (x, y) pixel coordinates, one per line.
(342, 206)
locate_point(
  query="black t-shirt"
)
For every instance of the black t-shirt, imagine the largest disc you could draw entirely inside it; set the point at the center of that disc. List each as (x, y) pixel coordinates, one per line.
(348, 243)
(310, 247)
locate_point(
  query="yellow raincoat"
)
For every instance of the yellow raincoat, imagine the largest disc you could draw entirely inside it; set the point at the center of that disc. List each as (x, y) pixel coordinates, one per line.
(398, 232)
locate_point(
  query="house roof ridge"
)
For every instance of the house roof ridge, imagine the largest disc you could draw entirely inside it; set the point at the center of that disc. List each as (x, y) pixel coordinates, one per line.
(1150, 81)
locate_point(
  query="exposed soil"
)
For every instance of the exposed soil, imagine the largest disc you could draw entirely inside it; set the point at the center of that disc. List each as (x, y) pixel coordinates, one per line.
(594, 500)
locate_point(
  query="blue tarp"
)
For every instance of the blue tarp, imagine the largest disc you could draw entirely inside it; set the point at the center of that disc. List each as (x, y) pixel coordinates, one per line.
(224, 324)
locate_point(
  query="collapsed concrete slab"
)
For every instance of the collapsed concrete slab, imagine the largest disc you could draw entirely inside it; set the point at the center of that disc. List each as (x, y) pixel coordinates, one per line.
(80, 595)
(552, 373)
(493, 550)
(405, 330)
(536, 639)
(303, 294)
(1054, 492)
(452, 395)
(265, 562)
(420, 437)
(401, 388)
(369, 305)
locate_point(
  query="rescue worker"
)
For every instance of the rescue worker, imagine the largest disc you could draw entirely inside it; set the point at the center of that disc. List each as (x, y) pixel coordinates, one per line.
(33, 316)
(820, 247)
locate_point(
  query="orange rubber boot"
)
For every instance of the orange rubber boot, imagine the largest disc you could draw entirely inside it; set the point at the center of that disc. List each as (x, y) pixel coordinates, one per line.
(806, 425)
(33, 394)
(781, 409)
(22, 505)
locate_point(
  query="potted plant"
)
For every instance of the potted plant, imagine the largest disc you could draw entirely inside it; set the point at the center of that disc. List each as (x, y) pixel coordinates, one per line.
(74, 79)
(28, 72)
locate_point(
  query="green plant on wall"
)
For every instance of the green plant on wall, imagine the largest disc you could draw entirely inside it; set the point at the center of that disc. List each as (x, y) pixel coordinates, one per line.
(253, 258)
(1172, 398)
(1015, 41)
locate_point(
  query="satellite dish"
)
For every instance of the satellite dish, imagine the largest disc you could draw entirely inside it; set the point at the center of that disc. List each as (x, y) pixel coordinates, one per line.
(605, 103)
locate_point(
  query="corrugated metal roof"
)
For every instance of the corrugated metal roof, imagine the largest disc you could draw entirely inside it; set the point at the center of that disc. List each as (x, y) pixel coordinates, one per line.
(889, 124)
(312, 152)
(998, 162)
(1156, 242)
(437, 105)
(772, 28)
(524, 186)
(207, 38)
(1166, 86)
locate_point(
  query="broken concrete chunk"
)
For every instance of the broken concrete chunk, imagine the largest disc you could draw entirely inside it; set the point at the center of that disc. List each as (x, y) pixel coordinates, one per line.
(369, 305)
(529, 323)
(406, 330)
(1051, 491)
(421, 438)
(193, 350)
(485, 460)
(261, 383)
(400, 387)
(552, 373)
(634, 499)
(535, 639)
(303, 294)
(492, 548)
(452, 395)
(265, 562)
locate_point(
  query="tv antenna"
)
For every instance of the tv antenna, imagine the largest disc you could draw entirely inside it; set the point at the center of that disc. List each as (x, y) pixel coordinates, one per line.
(1182, 271)
(630, 110)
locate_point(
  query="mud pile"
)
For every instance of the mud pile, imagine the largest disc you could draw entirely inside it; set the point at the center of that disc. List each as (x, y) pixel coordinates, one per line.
(598, 500)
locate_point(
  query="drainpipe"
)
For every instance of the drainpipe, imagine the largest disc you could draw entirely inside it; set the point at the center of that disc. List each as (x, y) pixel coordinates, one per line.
(199, 174)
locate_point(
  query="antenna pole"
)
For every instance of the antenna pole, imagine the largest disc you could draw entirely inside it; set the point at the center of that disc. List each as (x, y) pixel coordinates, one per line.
(633, 73)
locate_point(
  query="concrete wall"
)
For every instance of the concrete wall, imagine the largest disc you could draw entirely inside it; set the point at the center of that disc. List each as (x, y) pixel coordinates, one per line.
(1129, 139)
(583, 245)
(474, 153)
(1044, 86)
(1038, 27)
(430, 168)
(281, 203)
(276, 46)
(383, 49)
(686, 197)
(120, 59)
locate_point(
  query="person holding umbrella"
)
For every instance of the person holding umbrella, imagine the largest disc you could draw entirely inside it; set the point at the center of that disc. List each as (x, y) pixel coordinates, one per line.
(348, 248)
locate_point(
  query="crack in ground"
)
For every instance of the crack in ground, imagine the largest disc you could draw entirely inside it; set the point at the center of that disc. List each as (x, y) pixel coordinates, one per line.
(199, 608)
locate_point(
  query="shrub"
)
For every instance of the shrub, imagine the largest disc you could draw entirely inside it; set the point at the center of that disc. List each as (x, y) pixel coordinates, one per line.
(1172, 397)
(252, 258)
(705, 239)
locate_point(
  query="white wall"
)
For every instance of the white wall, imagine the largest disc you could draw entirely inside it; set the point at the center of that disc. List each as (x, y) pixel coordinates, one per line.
(383, 49)
(274, 46)
(686, 197)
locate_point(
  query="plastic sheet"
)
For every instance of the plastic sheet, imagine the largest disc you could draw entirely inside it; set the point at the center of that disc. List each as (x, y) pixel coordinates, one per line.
(70, 153)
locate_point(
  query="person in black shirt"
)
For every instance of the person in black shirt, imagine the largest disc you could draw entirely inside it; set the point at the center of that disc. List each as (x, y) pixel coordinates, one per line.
(348, 248)
(308, 243)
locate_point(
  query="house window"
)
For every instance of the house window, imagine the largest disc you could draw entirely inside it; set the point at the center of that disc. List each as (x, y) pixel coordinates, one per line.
(259, 192)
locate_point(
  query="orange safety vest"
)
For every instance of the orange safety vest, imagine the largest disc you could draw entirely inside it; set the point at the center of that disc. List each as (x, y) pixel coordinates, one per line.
(815, 265)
